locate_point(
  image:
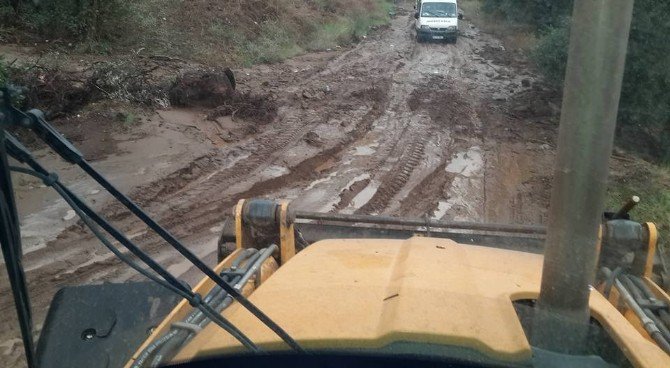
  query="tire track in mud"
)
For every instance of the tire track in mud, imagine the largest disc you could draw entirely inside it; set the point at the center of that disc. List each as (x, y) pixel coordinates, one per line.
(202, 217)
(207, 173)
(425, 195)
(171, 184)
(397, 177)
(181, 192)
(88, 264)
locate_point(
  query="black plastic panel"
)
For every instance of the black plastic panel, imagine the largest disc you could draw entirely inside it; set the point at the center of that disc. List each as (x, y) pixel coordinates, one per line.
(101, 325)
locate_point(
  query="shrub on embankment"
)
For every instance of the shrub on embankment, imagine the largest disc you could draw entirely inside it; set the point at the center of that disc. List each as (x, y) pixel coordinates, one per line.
(209, 31)
(644, 111)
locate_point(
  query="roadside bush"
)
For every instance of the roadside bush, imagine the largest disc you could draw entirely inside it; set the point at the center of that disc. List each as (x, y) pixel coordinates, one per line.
(551, 52)
(3, 72)
(645, 98)
(275, 43)
(644, 109)
(349, 27)
(70, 19)
(539, 13)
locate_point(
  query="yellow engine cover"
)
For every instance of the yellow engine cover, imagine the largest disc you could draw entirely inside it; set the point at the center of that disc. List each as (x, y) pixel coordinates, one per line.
(344, 294)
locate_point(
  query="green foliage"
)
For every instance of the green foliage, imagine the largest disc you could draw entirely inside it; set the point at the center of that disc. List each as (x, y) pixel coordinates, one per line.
(274, 44)
(551, 52)
(645, 95)
(274, 40)
(330, 35)
(128, 118)
(4, 72)
(348, 28)
(72, 19)
(539, 13)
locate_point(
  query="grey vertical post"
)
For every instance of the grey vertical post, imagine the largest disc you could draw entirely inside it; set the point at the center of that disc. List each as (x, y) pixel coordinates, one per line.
(598, 42)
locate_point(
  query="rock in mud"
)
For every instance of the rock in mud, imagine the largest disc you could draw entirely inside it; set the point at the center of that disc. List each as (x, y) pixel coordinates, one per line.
(313, 139)
(202, 88)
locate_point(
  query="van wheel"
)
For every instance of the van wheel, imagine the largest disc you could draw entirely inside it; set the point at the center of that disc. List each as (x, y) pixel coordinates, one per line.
(419, 39)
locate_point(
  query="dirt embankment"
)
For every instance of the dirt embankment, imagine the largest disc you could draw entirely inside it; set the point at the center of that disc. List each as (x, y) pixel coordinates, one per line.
(452, 131)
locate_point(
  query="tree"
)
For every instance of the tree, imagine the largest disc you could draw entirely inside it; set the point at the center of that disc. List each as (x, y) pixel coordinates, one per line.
(644, 108)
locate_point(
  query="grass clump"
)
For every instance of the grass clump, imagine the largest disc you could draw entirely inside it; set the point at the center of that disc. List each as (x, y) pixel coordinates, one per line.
(275, 43)
(516, 36)
(346, 29)
(127, 118)
(4, 72)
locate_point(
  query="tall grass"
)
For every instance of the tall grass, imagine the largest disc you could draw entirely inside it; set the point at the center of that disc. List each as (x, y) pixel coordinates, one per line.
(345, 29)
(226, 32)
(275, 43)
(513, 35)
(3, 71)
(276, 40)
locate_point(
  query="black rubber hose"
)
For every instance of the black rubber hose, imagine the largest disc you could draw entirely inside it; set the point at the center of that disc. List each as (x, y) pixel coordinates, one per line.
(16, 274)
(648, 324)
(220, 302)
(157, 348)
(630, 285)
(637, 295)
(665, 317)
(193, 298)
(219, 294)
(149, 350)
(661, 326)
(135, 209)
(175, 285)
(663, 314)
(67, 151)
(643, 286)
(170, 348)
(103, 239)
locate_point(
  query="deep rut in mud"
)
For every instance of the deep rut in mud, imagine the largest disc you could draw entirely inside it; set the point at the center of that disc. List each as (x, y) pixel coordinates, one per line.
(387, 127)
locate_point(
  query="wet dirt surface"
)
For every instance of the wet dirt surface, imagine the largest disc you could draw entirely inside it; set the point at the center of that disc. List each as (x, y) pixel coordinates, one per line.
(453, 131)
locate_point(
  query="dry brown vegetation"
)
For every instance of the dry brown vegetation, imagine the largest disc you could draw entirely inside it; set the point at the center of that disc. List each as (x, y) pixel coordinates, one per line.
(231, 32)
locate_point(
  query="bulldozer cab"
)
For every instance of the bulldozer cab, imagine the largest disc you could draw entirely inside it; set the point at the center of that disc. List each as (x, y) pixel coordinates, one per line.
(301, 288)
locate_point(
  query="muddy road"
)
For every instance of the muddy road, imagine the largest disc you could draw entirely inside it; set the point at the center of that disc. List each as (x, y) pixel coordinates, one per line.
(459, 131)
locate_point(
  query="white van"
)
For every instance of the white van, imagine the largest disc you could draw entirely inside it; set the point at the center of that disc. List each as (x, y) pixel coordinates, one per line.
(437, 20)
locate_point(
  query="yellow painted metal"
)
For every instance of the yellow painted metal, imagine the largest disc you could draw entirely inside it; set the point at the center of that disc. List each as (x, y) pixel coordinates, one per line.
(660, 294)
(286, 233)
(370, 293)
(239, 226)
(599, 243)
(651, 248)
(615, 297)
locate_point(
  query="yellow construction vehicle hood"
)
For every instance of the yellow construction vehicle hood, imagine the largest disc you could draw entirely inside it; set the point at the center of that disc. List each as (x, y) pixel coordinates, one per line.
(344, 294)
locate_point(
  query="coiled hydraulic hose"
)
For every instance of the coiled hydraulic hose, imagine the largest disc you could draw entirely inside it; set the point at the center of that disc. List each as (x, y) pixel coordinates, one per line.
(168, 281)
(166, 347)
(649, 325)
